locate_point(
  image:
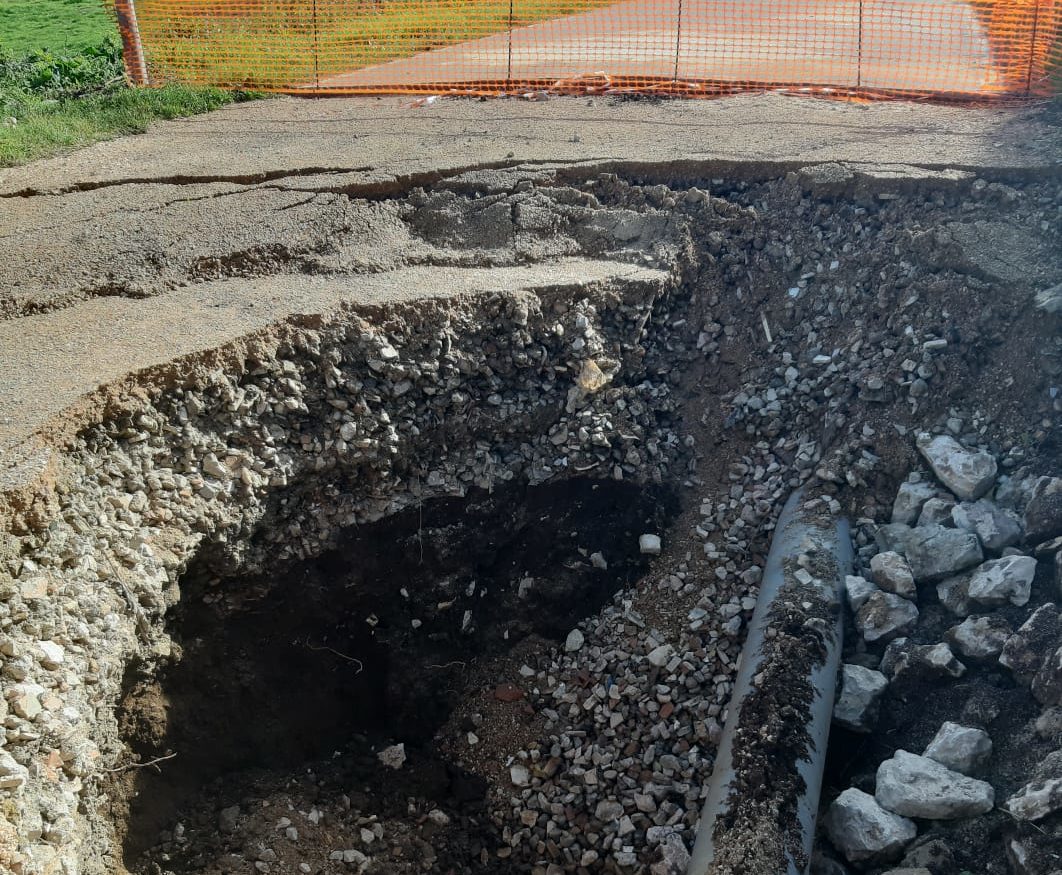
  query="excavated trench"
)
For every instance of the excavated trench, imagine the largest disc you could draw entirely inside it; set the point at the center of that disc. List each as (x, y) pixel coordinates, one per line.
(404, 508)
(369, 645)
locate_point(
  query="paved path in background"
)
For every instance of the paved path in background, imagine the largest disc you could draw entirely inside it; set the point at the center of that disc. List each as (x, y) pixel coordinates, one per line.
(922, 44)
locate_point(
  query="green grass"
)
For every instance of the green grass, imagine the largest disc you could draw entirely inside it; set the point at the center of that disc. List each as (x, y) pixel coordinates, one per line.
(274, 46)
(74, 123)
(52, 101)
(53, 25)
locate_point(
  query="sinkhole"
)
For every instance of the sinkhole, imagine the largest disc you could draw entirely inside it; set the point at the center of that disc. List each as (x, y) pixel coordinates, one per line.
(320, 665)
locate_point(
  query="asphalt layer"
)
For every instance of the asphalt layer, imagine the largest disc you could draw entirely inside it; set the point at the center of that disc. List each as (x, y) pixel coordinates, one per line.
(96, 245)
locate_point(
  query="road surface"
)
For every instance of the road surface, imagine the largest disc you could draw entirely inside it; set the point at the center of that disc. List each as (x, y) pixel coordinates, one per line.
(919, 45)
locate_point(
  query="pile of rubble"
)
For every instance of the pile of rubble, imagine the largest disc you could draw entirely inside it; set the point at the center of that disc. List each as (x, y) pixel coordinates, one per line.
(961, 584)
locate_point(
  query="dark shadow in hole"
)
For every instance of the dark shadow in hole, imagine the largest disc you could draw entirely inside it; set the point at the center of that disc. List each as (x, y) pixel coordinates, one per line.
(286, 668)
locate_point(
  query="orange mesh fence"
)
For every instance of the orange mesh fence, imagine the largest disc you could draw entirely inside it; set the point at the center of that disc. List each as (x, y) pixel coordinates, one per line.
(948, 49)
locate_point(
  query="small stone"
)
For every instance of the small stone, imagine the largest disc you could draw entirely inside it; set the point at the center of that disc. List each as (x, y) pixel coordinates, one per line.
(962, 748)
(916, 786)
(674, 858)
(1047, 684)
(980, 637)
(649, 545)
(967, 473)
(936, 512)
(519, 775)
(598, 561)
(1000, 580)
(920, 662)
(910, 499)
(863, 831)
(1036, 800)
(229, 819)
(393, 757)
(1049, 724)
(954, 594)
(856, 707)
(574, 641)
(25, 702)
(52, 654)
(1030, 855)
(892, 574)
(1036, 638)
(439, 817)
(1043, 513)
(884, 616)
(994, 526)
(659, 656)
(608, 810)
(858, 590)
(929, 853)
(12, 775)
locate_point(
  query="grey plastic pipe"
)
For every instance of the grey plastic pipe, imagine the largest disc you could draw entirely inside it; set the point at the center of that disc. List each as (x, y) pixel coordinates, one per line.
(797, 532)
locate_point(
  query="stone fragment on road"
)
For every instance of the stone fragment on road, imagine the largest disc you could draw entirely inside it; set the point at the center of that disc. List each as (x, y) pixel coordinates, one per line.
(910, 499)
(980, 637)
(649, 545)
(857, 590)
(1036, 800)
(994, 526)
(1043, 513)
(1047, 684)
(393, 757)
(892, 573)
(1036, 639)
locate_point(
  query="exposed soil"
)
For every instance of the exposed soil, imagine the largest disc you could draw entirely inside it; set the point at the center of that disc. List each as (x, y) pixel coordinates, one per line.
(314, 668)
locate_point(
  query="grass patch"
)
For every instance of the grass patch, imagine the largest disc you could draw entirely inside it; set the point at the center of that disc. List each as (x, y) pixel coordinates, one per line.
(50, 103)
(275, 45)
(65, 26)
(53, 129)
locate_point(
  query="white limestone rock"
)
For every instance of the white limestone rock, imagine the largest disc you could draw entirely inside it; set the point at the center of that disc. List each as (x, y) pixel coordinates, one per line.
(916, 786)
(969, 474)
(961, 748)
(864, 831)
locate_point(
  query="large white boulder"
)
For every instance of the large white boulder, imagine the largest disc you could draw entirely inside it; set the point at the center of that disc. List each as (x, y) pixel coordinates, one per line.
(916, 786)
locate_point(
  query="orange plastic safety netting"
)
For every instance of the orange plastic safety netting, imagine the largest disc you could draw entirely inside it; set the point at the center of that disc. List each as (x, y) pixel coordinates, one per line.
(956, 49)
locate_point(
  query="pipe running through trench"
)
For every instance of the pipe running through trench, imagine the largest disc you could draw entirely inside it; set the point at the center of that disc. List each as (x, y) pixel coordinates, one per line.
(800, 535)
